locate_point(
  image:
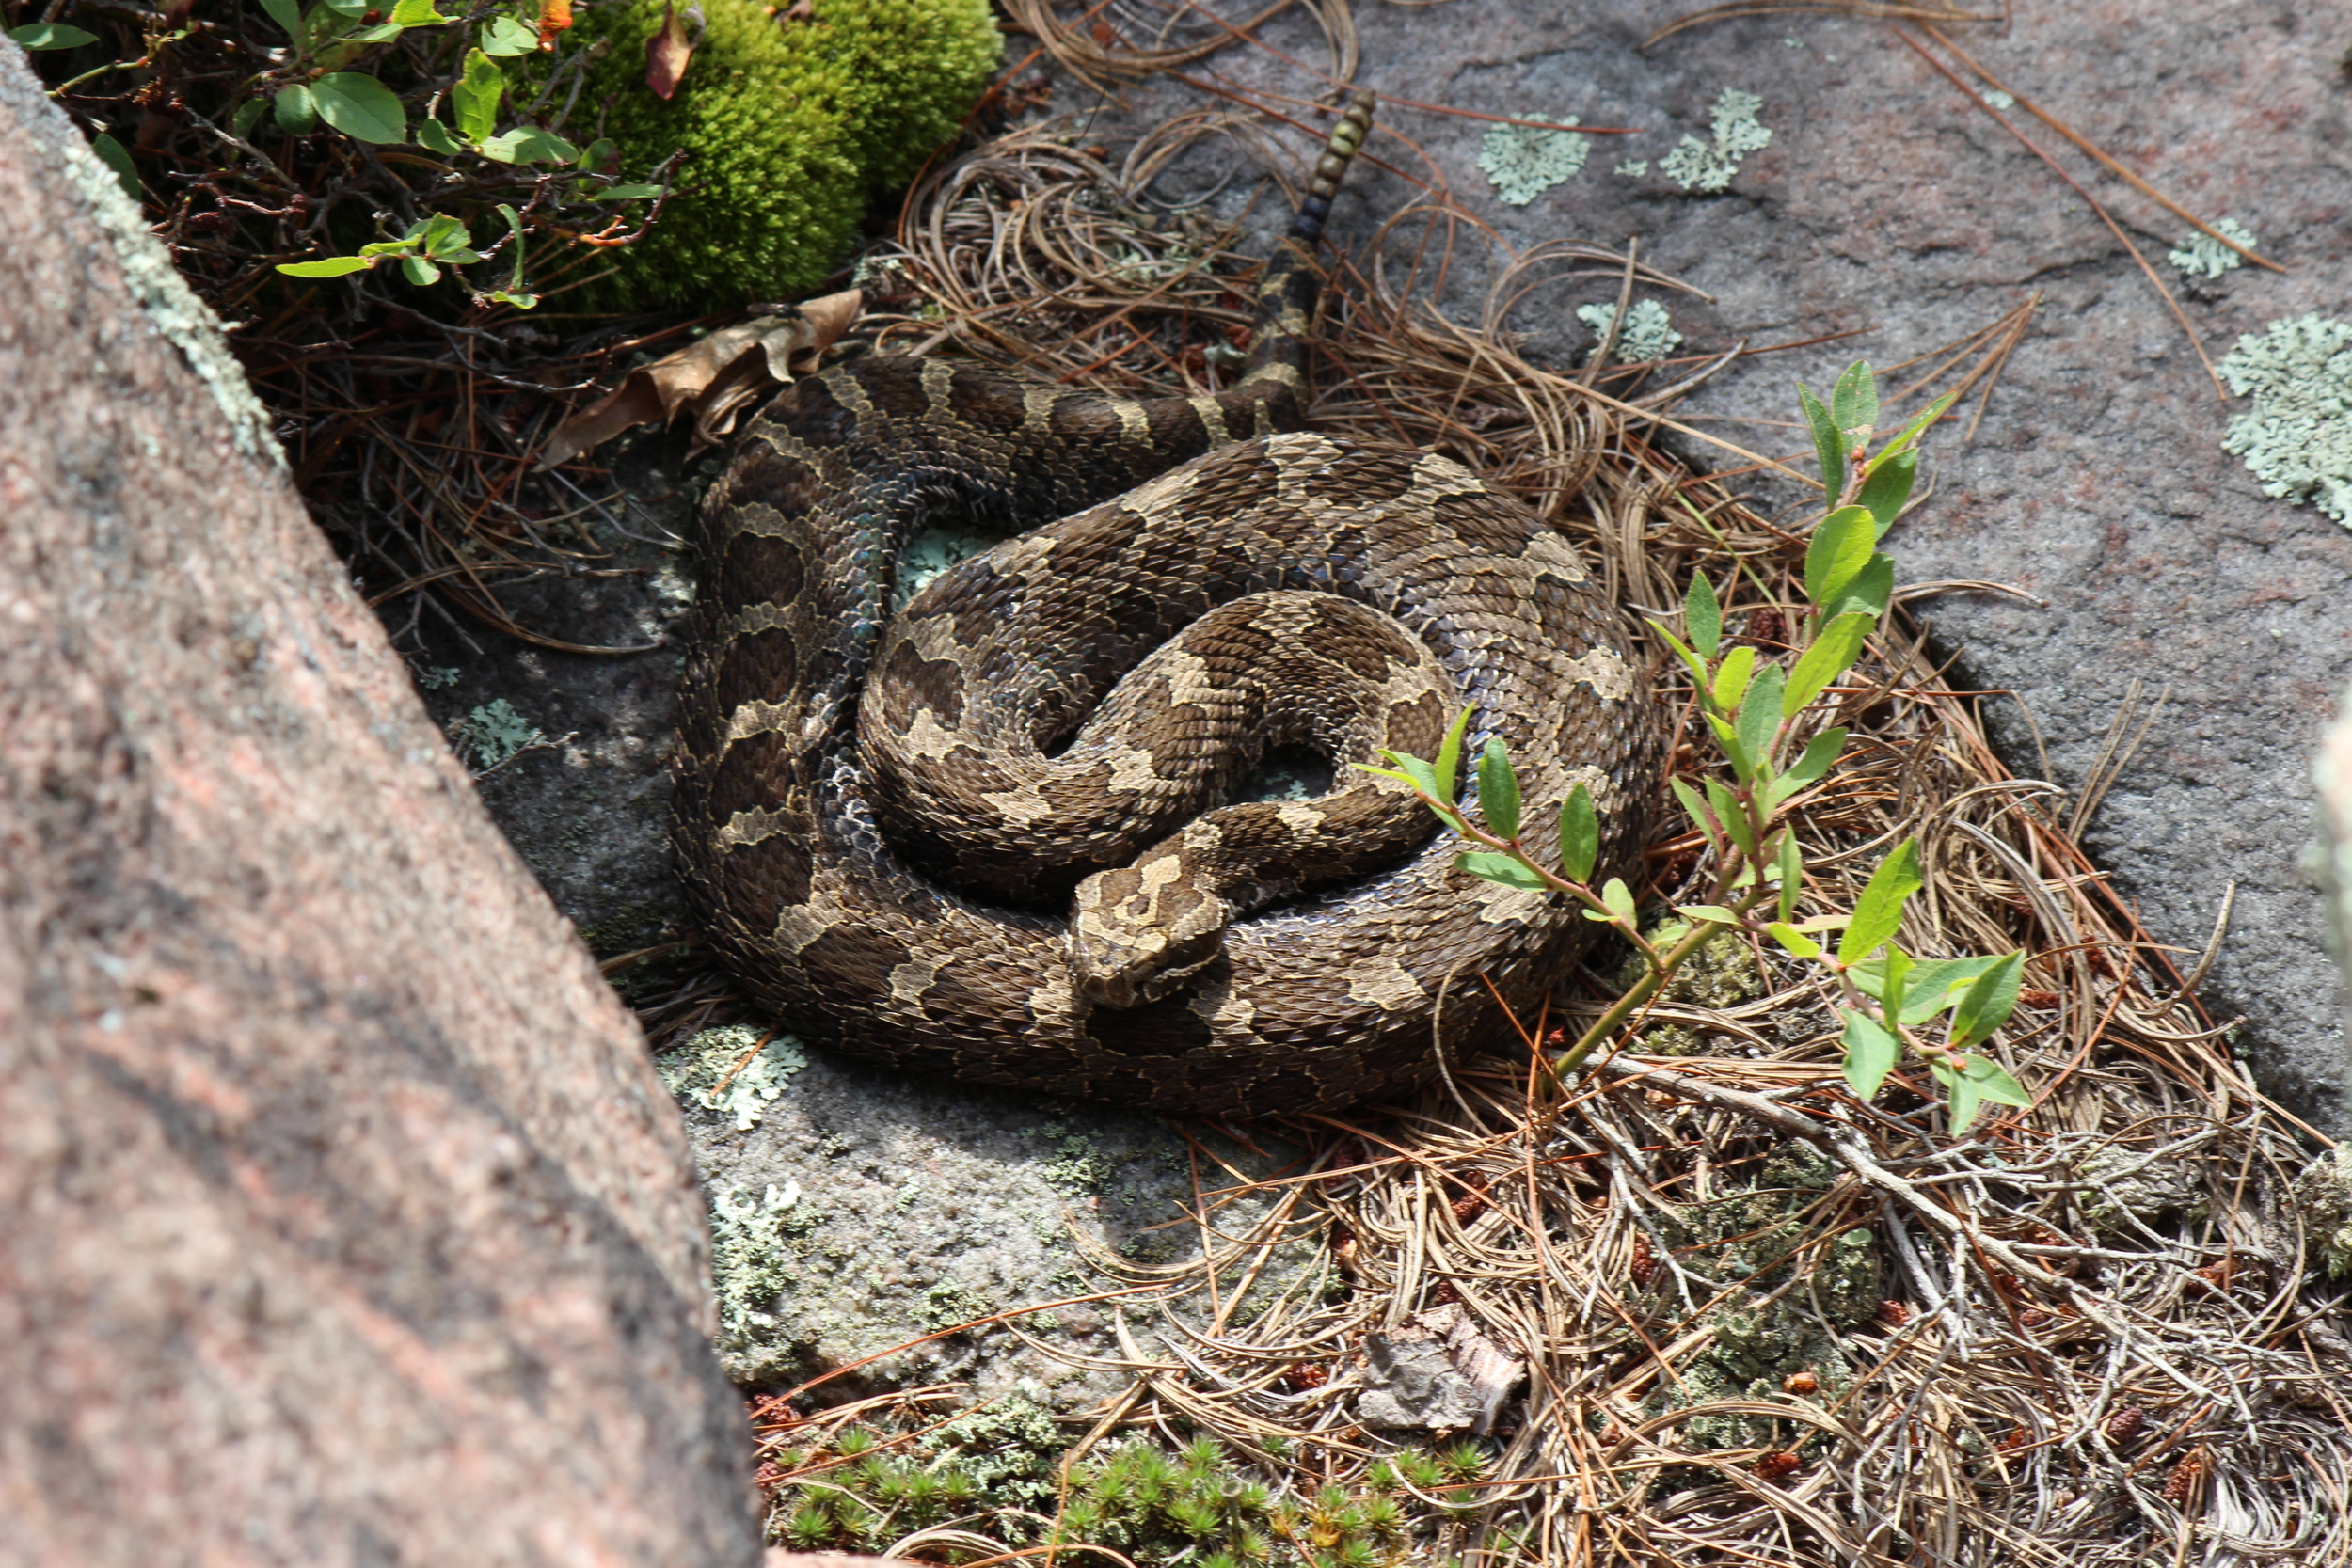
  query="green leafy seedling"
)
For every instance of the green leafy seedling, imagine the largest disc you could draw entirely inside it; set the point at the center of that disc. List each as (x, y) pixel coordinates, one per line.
(1878, 912)
(1580, 834)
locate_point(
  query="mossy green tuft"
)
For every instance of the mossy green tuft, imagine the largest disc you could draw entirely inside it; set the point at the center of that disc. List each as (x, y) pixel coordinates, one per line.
(790, 127)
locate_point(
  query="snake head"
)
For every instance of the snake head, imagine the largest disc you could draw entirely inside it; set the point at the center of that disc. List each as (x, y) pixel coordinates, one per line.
(1138, 931)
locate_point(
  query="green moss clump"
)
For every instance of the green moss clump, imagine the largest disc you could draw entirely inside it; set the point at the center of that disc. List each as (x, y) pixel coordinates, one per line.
(790, 128)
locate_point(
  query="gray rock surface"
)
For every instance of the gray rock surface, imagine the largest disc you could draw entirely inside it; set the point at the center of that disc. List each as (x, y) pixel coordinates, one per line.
(343, 1219)
(857, 1211)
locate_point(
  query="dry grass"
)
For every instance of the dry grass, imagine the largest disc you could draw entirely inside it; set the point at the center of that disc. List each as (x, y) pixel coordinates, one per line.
(1760, 1323)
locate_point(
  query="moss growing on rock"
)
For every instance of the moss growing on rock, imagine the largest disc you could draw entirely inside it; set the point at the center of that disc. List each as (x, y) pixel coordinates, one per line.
(790, 128)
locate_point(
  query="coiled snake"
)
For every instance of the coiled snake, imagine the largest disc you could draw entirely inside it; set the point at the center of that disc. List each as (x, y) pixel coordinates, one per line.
(991, 835)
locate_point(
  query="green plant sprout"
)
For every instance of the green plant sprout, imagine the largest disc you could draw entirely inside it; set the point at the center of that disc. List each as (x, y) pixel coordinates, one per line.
(1760, 709)
(313, 89)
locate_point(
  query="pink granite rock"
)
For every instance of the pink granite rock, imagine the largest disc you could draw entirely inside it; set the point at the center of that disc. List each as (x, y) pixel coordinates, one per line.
(341, 1218)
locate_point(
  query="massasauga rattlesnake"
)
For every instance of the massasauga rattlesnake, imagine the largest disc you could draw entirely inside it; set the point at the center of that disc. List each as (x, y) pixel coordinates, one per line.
(884, 819)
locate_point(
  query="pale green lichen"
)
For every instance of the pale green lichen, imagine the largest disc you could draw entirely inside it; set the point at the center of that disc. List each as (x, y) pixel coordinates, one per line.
(1707, 166)
(1010, 1445)
(2202, 255)
(156, 286)
(1633, 168)
(1763, 1237)
(932, 551)
(697, 1072)
(2298, 437)
(493, 733)
(2126, 1192)
(1522, 161)
(951, 1302)
(752, 1258)
(2324, 1194)
(1648, 334)
(1080, 1167)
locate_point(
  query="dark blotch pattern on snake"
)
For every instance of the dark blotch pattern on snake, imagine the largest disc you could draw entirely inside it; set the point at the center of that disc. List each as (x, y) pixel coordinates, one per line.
(886, 823)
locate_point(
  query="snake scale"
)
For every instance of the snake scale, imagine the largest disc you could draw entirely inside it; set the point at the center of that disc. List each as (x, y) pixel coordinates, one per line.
(993, 835)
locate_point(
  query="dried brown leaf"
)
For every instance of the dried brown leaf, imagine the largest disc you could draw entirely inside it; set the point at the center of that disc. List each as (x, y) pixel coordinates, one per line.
(714, 378)
(667, 54)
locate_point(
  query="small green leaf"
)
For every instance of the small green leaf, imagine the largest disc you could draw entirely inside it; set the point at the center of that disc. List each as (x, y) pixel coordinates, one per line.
(629, 192)
(418, 13)
(1741, 764)
(1731, 679)
(361, 107)
(333, 266)
(511, 294)
(1796, 942)
(1964, 1100)
(49, 35)
(1870, 591)
(1879, 913)
(1854, 402)
(297, 111)
(1448, 772)
(527, 144)
(1506, 869)
(1700, 817)
(383, 32)
(1728, 812)
(1829, 445)
(1831, 654)
(1418, 773)
(420, 272)
(286, 14)
(1691, 661)
(1790, 876)
(434, 138)
(1889, 485)
(1894, 980)
(1976, 1082)
(1840, 547)
(1580, 834)
(474, 98)
(349, 8)
(1760, 715)
(520, 302)
(507, 36)
(117, 157)
(1933, 984)
(440, 232)
(248, 116)
(1911, 432)
(1498, 791)
(1871, 1051)
(1702, 616)
(1819, 753)
(1987, 1002)
(1997, 1084)
(1618, 898)
(1714, 912)
(1936, 983)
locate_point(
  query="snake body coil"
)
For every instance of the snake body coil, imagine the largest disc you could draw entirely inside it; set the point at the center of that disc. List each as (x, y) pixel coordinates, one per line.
(884, 821)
